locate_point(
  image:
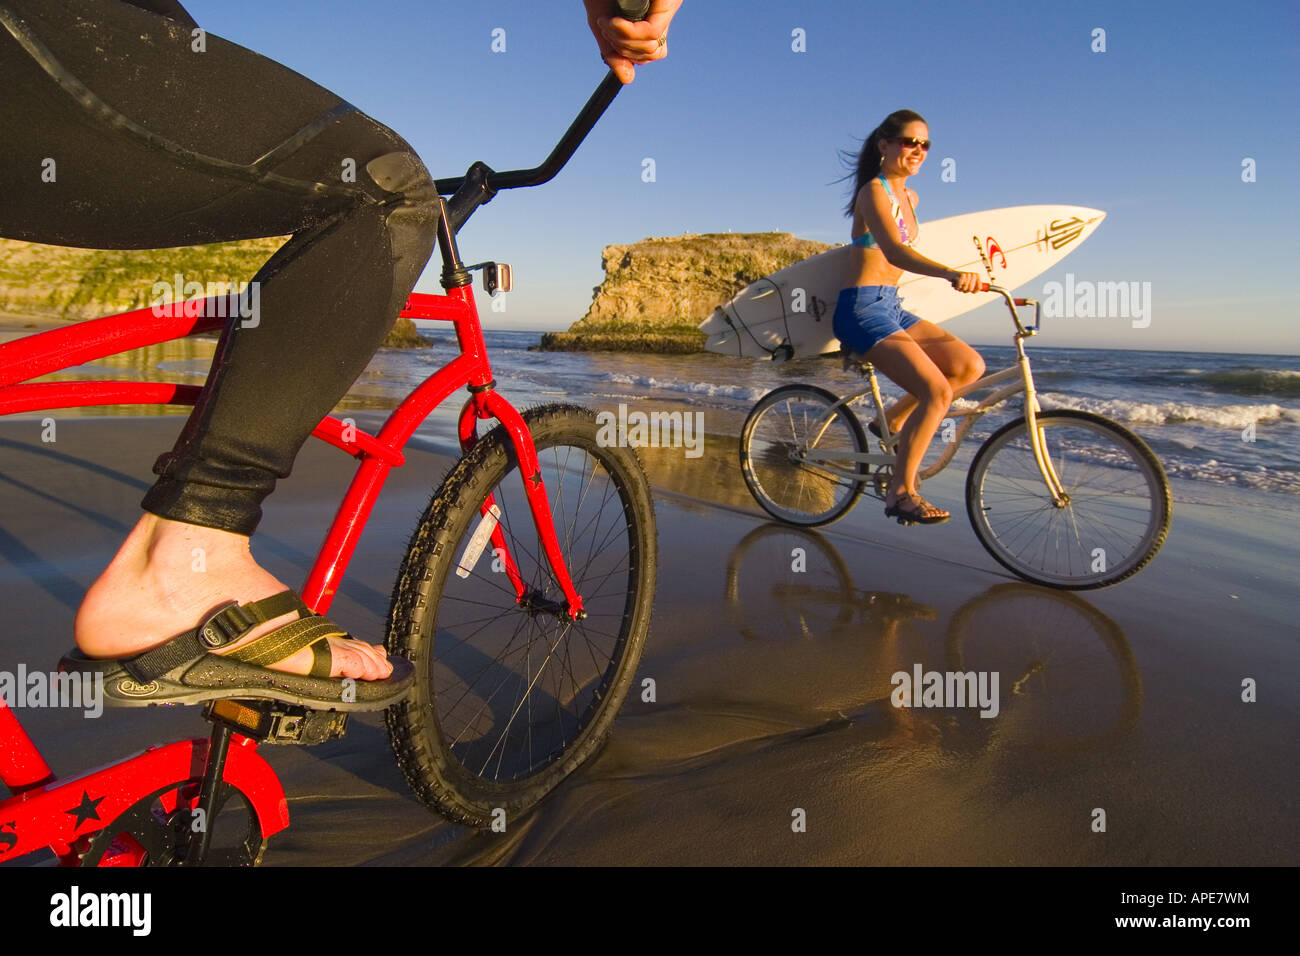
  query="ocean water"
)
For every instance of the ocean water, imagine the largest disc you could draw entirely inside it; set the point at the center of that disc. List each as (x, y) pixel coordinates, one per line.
(1218, 420)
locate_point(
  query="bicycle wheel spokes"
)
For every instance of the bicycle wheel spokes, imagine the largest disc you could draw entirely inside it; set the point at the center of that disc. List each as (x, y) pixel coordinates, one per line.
(512, 693)
(514, 679)
(797, 451)
(1115, 512)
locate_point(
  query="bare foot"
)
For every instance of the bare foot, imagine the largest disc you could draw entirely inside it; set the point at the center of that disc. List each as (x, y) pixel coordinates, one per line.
(168, 575)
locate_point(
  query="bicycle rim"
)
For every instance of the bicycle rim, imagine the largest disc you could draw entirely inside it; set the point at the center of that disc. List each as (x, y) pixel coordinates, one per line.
(514, 696)
(1116, 517)
(779, 433)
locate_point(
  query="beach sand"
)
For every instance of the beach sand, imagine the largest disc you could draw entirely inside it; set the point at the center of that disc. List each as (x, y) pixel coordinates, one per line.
(772, 685)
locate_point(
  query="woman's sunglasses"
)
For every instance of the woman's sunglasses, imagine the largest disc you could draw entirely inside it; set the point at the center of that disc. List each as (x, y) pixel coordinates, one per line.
(922, 144)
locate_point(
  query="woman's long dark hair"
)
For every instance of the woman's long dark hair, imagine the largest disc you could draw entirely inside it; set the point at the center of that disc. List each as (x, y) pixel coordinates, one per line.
(866, 165)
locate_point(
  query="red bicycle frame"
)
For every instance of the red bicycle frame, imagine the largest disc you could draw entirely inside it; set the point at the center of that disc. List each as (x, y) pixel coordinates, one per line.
(38, 814)
(57, 349)
(35, 817)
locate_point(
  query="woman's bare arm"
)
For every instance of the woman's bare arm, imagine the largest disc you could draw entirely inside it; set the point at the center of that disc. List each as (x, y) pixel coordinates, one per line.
(874, 206)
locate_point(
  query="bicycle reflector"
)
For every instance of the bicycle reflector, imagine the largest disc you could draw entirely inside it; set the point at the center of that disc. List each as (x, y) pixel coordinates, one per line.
(241, 717)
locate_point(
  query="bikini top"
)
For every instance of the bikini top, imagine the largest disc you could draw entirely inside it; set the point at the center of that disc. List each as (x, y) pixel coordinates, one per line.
(866, 240)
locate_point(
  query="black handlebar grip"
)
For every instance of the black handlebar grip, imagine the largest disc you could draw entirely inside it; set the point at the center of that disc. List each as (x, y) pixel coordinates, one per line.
(632, 9)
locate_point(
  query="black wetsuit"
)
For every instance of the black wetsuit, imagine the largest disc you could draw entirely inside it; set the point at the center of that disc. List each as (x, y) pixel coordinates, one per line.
(156, 144)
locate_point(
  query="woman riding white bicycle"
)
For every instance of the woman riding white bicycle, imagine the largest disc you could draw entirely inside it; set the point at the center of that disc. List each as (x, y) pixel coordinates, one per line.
(869, 321)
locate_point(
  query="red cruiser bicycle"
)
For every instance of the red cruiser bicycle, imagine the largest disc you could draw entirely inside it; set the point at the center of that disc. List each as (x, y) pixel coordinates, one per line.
(523, 600)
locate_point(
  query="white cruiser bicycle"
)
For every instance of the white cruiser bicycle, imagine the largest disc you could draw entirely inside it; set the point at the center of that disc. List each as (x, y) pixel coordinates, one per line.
(1061, 497)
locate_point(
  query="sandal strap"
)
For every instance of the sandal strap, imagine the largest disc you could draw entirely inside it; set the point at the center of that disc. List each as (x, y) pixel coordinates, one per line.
(276, 605)
(919, 504)
(230, 622)
(288, 640)
(922, 505)
(322, 659)
(236, 620)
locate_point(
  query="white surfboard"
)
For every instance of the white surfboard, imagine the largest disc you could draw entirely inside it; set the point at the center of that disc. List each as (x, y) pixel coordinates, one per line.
(788, 314)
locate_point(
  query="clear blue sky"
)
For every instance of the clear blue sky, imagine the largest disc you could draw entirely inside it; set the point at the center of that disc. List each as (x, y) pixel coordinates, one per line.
(744, 133)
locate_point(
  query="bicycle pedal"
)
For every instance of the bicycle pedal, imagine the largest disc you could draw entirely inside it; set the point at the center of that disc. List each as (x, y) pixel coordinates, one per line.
(880, 479)
(275, 723)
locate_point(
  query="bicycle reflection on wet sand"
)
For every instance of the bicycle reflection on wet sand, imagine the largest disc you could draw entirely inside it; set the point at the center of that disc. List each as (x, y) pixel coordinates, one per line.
(1069, 683)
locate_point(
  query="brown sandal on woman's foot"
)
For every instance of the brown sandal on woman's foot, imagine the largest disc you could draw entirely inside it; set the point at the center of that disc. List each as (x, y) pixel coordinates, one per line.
(922, 511)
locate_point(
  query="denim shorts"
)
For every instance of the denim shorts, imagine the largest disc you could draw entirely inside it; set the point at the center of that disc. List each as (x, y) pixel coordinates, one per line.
(866, 315)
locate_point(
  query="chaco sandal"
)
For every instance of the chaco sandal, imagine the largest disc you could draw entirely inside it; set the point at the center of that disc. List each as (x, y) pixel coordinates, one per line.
(184, 671)
(917, 514)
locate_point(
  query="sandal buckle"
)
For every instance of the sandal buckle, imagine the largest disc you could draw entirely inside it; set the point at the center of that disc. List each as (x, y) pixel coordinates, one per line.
(226, 626)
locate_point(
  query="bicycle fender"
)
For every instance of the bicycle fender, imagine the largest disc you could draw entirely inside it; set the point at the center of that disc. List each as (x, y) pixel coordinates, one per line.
(41, 817)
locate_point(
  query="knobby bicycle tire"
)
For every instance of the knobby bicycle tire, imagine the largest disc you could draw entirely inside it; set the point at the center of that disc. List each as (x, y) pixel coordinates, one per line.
(510, 699)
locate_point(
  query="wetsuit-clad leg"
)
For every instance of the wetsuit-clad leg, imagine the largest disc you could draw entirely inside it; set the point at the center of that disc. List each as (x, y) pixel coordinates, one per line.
(155, 144)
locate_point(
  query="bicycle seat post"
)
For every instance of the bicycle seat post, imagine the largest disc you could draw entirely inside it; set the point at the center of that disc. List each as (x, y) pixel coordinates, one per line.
(880, 404)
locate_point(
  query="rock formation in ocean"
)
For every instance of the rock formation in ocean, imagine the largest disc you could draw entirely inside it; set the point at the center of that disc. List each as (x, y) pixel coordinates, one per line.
(657, 291)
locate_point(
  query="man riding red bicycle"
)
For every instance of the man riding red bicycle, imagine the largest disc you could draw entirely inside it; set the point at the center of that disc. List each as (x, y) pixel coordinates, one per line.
(108, 90)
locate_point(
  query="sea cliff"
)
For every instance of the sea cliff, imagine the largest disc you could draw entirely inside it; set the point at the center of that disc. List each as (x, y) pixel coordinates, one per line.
(657, 291)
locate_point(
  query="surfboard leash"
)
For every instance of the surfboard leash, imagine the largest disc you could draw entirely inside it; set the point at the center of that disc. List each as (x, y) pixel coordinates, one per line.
(732, 325)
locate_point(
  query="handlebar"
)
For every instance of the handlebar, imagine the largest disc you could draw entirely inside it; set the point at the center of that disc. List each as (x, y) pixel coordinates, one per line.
(1013, 304)
(480, 182)
(481, 175)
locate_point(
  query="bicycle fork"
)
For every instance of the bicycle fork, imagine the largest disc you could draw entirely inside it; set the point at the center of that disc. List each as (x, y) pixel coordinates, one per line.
(1037, 441)
(488, 404)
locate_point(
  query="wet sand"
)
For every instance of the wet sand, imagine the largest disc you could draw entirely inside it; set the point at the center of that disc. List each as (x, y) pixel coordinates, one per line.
(773, 686)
